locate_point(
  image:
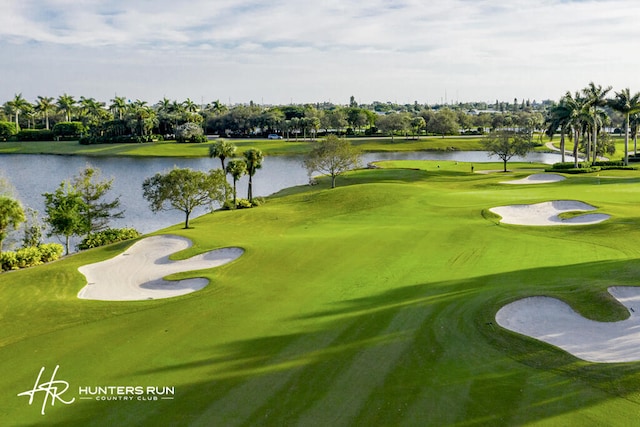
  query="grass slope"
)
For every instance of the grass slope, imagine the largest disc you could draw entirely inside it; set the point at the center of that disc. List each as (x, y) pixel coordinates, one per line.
(368, 304)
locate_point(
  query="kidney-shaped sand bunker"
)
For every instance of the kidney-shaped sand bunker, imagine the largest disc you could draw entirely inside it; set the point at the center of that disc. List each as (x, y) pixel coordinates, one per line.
(137, 273)
(548, 213)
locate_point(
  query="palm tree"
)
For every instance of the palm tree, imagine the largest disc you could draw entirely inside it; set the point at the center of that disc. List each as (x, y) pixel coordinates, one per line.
(66, 103)
(222, 149)
(254, 158)
(44, 105)
(634, 121)
(18, 105)
(236, 168)
(595, 98)
(118, 106)
(559, 117)
(578, 115)
(627, 105)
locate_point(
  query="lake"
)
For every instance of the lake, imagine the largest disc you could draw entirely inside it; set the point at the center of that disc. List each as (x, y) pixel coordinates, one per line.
(32, 175)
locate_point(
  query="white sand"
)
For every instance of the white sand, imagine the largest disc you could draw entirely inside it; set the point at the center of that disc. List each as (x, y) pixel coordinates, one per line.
(546, 213)
(137, 274)
(537, 178)
(554, 322)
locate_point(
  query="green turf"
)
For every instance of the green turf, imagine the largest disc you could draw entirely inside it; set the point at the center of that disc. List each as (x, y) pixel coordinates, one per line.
(369, 304)
(268, 146)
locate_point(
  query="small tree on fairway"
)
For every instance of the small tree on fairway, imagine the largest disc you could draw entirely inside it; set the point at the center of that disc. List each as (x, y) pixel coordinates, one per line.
(333, 156)
(184, 190)
(64, 209)
(11, 216)
(236, 168)
(505, 144)
(96, 211)
(253, 158)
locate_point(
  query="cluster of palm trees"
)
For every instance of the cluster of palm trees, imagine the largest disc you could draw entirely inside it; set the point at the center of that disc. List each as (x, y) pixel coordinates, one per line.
(237, 167)
(581, 117)
(141, 117)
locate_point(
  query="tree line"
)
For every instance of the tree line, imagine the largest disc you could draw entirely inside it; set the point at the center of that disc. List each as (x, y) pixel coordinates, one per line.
(96, 121)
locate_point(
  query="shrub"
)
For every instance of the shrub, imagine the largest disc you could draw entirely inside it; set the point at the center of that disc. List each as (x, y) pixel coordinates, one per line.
(69, 129)
(108, 236)
(51, 251)
(30, 256)
(8, 261)
(35, 135)
(7, 129)
(190, 132)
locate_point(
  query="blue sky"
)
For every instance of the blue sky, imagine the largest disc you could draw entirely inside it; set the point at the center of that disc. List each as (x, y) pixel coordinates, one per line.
(283, 51)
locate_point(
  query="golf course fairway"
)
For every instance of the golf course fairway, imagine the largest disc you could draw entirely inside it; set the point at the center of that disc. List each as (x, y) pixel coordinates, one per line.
(371, 304)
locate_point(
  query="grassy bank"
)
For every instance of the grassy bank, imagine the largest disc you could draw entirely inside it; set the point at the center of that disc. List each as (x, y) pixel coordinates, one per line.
(369, 304)
(269, 147)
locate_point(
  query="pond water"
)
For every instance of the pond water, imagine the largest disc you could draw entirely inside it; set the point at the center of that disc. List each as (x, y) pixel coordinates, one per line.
(32, 175)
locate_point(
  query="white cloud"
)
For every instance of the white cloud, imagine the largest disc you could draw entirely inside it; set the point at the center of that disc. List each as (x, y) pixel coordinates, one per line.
(402, 50)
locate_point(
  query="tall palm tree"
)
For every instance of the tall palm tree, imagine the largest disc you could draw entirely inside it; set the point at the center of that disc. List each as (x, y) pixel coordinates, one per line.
(634, 121)
(66, 104)
(118, 106)
(236, 168)
(222, 149)
(559, 117)
(18, 105)
(253, 158)
(596, 97)
(579, 114)
(44, 106)
(626, 104)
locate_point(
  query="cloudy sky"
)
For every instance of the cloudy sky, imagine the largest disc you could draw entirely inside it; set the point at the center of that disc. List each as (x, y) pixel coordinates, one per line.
(282, 51)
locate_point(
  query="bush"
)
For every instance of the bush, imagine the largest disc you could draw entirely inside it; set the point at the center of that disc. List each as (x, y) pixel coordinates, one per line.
(7, 129)
(190, 132)
(30, 256)
(575, 170)
(66, 130)
(35, 135)
(108, 236)
(570, 165)
(51, 251)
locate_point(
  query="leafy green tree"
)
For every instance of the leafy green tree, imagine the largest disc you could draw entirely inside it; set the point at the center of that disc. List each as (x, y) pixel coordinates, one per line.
(11, 216)
(32, 229)
(505, 144)
(64, 209)
(444, 122)
(222, 149)
(332, 156)
(417, 124)
(184, 190)
(626, 104)
(393, 122)
(118, 106)
(254, 158)
(559, 117)
(96, 211)
(236, 168)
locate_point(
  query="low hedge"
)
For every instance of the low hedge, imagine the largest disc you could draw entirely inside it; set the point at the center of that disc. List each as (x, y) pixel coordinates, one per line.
(30, 256)
(108, 236)
(35, 135)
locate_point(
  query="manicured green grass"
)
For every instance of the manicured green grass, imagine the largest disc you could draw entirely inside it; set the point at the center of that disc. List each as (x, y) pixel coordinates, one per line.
(369, 304)
(268, 146)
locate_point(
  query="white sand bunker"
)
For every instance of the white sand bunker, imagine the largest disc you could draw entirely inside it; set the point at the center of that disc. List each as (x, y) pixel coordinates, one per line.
(547, 213)
(137, 274)
(554, 322)
(537, 178)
